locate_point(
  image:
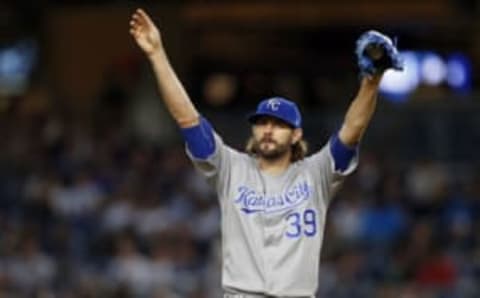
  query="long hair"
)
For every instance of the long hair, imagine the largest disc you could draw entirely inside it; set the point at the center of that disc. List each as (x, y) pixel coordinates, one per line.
(299, 149)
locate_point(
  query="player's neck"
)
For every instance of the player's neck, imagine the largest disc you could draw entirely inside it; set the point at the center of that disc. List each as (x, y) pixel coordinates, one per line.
(276, 166)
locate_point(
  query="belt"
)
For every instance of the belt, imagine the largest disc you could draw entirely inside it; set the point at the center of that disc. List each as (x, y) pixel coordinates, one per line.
(234, 293)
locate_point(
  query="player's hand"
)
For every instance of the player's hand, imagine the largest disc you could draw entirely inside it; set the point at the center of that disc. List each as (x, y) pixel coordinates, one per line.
(376, 53)
(145, 32)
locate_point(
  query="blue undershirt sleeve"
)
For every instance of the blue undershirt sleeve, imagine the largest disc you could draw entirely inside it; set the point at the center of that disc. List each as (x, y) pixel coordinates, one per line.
(200, 139)
(341, 153)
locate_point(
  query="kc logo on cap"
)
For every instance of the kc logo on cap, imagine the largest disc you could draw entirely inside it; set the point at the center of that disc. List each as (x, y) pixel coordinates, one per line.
(279, 108)
(273, 104)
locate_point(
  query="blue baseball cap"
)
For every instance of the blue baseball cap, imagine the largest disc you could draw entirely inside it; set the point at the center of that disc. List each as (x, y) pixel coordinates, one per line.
(279, 108)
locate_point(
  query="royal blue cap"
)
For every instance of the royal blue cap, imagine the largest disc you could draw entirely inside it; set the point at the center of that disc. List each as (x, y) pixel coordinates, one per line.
(280, 108)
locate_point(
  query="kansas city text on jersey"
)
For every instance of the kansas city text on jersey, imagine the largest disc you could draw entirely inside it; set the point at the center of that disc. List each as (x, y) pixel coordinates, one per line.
(251, 201)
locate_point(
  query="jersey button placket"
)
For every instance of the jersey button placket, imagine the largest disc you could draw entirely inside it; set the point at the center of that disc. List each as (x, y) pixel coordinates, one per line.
(270, 245)
(266, 255)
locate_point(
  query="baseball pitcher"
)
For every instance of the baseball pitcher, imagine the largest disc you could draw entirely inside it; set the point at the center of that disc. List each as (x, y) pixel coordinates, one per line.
(273, 198)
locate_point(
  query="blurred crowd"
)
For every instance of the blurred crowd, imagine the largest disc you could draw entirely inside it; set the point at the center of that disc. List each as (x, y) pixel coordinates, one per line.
(90, 207)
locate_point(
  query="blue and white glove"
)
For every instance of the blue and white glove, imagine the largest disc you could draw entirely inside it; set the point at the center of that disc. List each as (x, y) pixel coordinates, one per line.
(376, 53)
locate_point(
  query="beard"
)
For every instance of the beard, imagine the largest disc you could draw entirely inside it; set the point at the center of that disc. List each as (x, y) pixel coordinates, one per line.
(269, 149)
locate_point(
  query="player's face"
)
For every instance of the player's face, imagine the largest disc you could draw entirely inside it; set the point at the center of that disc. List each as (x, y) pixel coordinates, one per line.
(273, 138)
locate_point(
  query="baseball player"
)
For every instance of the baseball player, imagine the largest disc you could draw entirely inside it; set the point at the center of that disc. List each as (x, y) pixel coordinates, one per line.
(273, 199)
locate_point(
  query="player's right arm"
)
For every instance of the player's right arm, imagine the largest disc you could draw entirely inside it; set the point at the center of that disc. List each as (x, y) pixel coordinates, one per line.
(205, 148)
(148, 38)
(196, 130)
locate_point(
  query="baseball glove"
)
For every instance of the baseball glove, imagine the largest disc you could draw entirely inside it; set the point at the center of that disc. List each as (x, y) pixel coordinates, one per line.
(376, 53)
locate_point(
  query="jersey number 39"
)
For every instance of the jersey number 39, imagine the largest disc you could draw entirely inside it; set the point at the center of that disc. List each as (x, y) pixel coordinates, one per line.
(301, 223)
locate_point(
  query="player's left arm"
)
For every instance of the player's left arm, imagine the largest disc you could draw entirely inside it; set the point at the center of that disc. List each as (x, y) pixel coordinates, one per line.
(360, 111)
(375, 53)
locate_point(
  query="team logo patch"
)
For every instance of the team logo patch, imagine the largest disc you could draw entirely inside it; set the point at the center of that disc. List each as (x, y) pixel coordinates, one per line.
(273, 104)
(250, 201)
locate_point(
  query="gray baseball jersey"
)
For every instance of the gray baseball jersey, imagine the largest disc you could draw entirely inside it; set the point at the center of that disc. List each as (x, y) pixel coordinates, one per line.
(272, 226)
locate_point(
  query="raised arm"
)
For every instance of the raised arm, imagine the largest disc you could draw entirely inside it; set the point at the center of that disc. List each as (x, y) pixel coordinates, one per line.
(360, 112)
(148, 38)
(376, 53)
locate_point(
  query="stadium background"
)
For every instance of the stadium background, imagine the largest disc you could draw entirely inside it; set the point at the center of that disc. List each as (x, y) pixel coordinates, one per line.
(97, 198)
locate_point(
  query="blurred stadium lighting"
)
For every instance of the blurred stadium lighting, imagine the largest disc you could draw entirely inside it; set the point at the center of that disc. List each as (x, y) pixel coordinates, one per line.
(397, 85)
(17, 62)
(459, 72)
(433, 69)
(219, 89)
(427, 68)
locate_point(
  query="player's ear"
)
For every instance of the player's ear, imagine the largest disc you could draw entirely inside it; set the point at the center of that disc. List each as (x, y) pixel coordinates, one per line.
(297, 135)
(252, 129)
